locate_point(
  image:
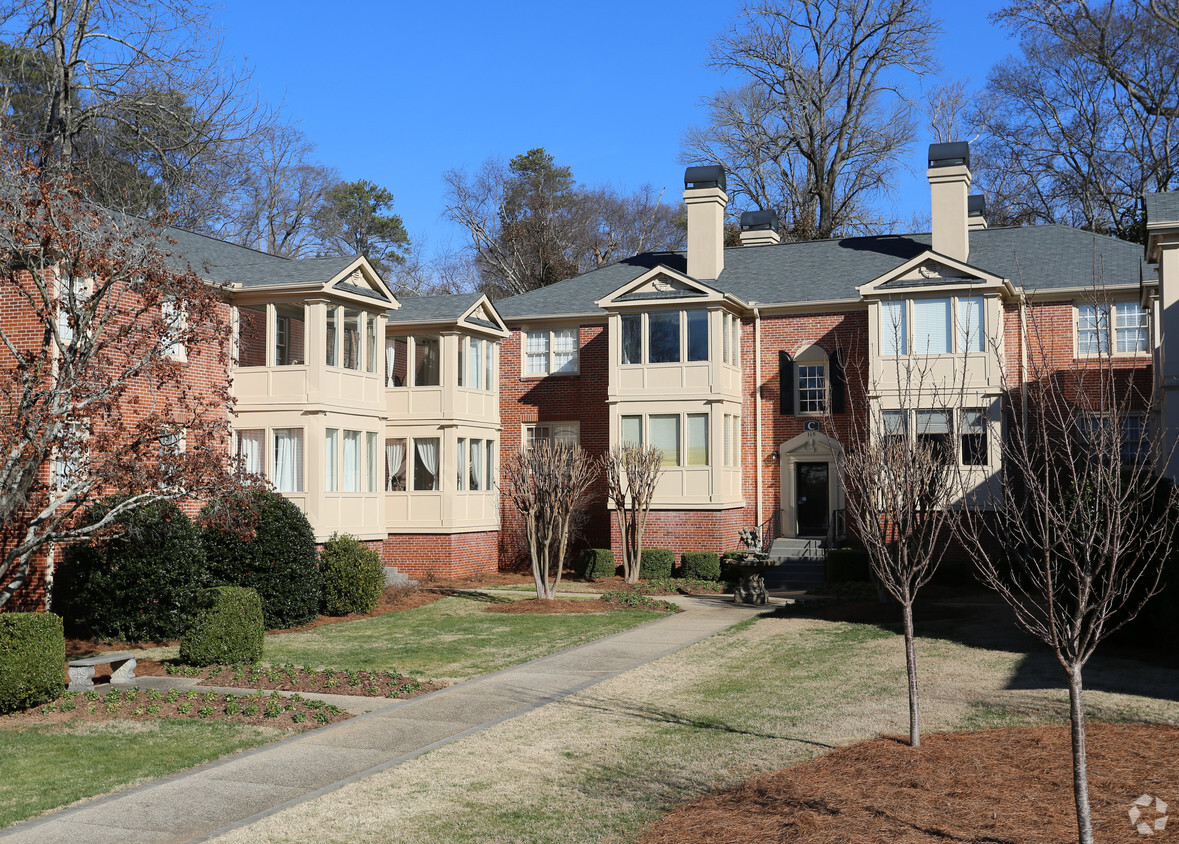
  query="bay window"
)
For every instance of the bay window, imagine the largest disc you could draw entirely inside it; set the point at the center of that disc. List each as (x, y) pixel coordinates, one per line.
(933, 325)
(288, 460)
(669, 337)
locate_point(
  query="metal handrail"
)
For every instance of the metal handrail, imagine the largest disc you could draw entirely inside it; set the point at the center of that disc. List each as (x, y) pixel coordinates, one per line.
(837, 530)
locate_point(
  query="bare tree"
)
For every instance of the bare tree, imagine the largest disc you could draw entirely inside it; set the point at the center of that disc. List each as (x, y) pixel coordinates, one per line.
(548, 484)
(817, 124)
(1085, 521)
(275, 208)
(100, 345)
(632, 474)
(1077, 128)
(946, 106)
(900, 480)
(137, 95)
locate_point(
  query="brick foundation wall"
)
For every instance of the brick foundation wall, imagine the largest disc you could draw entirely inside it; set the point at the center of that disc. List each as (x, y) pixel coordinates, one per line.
(444, 555)
(687, 530)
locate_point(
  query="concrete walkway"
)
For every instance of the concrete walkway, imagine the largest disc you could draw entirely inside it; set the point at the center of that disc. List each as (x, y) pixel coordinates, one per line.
(219, 796)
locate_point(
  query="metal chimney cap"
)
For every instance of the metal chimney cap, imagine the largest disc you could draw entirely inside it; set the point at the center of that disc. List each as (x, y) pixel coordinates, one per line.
(976, 205)
(949, 155)
(753, 221)
(706, 176)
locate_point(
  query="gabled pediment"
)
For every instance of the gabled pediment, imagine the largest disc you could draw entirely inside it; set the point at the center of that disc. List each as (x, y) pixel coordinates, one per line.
(663, 285)
(360, 279)
(482, 316)
(930, 272)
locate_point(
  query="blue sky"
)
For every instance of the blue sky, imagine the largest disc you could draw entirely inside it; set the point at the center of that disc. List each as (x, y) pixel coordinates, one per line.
(400, 92)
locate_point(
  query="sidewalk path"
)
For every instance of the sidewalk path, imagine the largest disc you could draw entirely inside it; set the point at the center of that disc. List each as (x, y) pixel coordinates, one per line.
(211, 799)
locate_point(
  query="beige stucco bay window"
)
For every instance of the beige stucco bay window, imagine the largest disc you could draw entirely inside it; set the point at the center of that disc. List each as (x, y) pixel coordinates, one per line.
(664, 337)
(935, 325)
(271, 334)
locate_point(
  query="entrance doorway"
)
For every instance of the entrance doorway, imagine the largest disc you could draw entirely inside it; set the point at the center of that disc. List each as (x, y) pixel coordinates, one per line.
(812, 502)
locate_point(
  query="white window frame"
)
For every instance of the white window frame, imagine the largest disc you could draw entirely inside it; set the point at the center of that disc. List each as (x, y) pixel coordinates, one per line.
(907, 340)
(175, 318)
(550, 352)
(1106, 318)
(533, 431)
(732, 441)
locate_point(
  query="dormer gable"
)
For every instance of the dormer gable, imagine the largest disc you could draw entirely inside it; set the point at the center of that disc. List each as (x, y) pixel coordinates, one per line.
(482, 317)
(360, 279)
(662, 285)
(931, 272)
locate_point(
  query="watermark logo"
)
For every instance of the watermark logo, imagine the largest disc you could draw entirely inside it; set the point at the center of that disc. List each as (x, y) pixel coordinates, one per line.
(1148, 815)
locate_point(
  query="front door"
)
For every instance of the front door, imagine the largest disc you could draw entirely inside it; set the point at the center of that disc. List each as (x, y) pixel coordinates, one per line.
(811, 498)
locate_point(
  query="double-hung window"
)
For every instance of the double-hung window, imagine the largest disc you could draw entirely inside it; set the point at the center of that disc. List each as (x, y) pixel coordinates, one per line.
(1129, 321)
(551, 351)
(561, 432)
(812, 388)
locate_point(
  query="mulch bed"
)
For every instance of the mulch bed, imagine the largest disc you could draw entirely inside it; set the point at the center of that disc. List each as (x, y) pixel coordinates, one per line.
(260, 710)
(1006, 785)
(288, 678)
(557, 605)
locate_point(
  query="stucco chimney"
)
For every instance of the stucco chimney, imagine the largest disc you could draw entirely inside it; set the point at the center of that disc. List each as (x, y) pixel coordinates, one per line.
(704, 194)
(976, 212)
(949, 185)
(759, 228)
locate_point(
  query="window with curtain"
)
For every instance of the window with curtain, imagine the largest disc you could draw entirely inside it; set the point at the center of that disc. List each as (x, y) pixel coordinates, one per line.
(565, 350)
(489, 366)
(894, 329)
(1131, 328)
(461, 462)
(663, 337)
(696, 439)
(1092, 330)
(331, 336)
(396, 361)
(665, 435)
(288, 460)
(735, 328)
(251, 335)
(331, 457)
(728, 436)
(536, 353)
(697, 335)
(931, 326)
(249, 450)
(289, 335)
(726, 338)
(427, 362)
(972, 335)
(476, 462)
(489, 451)
(475, 364)
(632, 338)
(352, 462)
(372, 461)
(426, 454)
(568, 433)
(395, 465)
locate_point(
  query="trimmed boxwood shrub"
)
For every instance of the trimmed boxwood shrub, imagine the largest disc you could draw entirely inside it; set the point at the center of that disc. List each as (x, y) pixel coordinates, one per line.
(32, 659)
(352, 574)
(262, 541)
(226, 627)
(136, 584)
(595, 563)
(656, 562)
(848, 564)
(700, 565)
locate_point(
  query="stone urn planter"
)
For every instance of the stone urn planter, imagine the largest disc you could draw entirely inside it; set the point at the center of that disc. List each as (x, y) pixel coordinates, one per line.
(751, 566)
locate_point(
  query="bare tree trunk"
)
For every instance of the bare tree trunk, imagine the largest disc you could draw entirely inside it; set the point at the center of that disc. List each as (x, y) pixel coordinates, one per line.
(1080, 757)
(911, 670)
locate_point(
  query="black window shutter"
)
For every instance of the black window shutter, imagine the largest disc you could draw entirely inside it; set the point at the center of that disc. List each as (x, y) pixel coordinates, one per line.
(838, 382)
(786, 383)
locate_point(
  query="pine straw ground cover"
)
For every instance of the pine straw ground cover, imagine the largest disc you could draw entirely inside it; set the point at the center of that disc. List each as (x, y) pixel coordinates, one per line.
(1001, 785)
(290, 678)
(258, 709)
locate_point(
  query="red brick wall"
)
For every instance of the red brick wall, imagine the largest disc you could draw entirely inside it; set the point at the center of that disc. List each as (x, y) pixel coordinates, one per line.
(443, 555)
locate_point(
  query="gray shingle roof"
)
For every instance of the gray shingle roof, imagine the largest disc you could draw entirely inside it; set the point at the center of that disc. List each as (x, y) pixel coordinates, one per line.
(433, 308)
(1162, 207)
(1033, 257)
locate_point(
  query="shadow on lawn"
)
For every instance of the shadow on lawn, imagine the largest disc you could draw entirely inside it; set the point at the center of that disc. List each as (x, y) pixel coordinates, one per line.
(1116, 667)
(662, 716)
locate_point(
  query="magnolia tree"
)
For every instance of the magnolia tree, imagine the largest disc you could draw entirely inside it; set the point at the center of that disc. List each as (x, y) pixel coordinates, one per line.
(898, 474)
(632, 473)
(102, 337)
(1085, 522)
(548, 483)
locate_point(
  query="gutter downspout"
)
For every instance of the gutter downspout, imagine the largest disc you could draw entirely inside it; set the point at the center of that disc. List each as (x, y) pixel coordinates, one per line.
(757, 401)
(1023, 363)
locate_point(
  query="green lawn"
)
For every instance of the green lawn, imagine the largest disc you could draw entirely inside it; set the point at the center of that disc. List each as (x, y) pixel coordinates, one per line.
(450, 639)
(44, 767)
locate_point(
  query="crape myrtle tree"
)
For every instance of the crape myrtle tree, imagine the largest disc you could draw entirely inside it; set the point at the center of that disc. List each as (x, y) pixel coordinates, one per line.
(632, 475)
(548, 483)
(817, 119)
(100, 333)
(899, 478)
(1077, 543)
